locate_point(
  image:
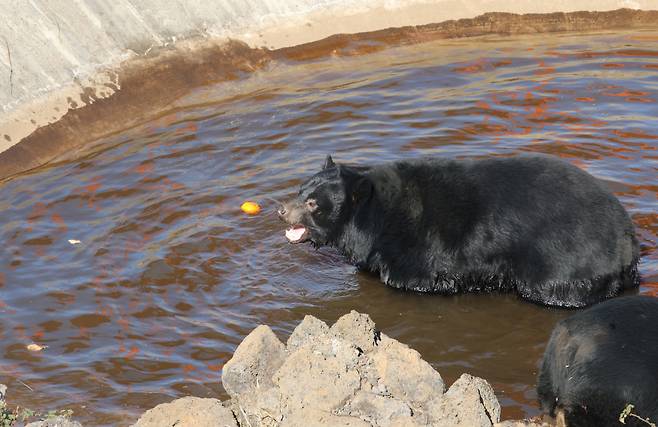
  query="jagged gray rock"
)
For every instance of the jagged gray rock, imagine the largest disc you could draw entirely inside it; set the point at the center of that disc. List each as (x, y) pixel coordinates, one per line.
(55, 422)
(310, 328)
(254, 362)
(248, 376)
(358, 329)
(186, 412)
(405, 374)
(317, 379)
(318, 418)
(377, 409)
(348, 374)
(470, 401)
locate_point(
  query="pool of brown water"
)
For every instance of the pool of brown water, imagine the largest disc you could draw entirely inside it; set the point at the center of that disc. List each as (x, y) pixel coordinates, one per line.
(169, 275)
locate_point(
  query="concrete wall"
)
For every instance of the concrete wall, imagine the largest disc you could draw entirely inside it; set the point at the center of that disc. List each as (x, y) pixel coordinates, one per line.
(51, 50)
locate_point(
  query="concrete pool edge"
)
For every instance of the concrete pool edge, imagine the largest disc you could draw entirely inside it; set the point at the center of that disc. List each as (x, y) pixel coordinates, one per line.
(116, 99)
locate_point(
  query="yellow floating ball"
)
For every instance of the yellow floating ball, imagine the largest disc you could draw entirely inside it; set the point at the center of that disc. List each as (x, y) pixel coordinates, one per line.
(250, 208)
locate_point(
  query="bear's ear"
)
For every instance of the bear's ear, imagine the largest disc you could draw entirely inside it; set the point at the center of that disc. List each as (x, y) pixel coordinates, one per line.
(328, 163)
(362, 190)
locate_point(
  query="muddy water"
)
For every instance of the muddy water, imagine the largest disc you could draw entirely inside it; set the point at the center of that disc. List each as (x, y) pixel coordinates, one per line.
(169, 275)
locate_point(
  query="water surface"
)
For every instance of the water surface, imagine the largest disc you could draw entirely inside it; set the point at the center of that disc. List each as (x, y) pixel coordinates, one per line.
(170, 276)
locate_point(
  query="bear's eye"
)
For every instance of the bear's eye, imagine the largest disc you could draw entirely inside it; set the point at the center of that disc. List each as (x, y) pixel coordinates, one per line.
(311, 205)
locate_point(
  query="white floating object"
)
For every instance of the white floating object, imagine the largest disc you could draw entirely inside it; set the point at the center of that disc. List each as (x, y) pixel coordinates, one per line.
(74, 242)
(36, 347)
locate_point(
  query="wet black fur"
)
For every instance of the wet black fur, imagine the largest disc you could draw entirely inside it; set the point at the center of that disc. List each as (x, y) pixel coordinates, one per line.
(601, 359)
(535, 225)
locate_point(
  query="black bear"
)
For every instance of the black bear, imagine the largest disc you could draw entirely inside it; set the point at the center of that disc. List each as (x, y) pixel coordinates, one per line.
(535, 225)
(601, 360)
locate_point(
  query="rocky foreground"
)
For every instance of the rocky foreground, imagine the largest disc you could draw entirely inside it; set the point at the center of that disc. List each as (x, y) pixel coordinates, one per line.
(348, 374)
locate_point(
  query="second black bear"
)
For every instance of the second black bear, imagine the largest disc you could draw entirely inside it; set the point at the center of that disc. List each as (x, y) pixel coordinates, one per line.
(600, 361)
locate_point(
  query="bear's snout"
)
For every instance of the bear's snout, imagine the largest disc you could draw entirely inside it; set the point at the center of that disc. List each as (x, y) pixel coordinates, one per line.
(290, 213)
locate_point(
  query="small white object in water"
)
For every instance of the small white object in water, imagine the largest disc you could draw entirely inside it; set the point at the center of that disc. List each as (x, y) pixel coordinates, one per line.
(74, 242)
(36, 347)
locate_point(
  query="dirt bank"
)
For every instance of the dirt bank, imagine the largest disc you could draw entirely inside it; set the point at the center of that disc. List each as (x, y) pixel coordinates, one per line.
(141, 87)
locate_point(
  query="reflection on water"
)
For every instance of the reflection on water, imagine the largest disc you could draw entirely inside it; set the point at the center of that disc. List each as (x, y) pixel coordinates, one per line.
(170, 275)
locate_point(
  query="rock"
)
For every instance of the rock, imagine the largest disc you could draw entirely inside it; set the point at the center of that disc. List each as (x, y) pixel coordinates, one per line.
(470, 401)
(321, 378)
(55, 422)
(254, 362)
(408, 422)
(247, 377)
(262, 408)
(309, 329)
(405, 375)
(358, 329)
(377, 409)
(318, 418)
(522, 423)
(188, 412)
(253, 415)
(344, 375)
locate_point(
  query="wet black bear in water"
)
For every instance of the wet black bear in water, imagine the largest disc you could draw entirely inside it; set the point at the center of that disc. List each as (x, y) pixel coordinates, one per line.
(534, 225)
(600, 360)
